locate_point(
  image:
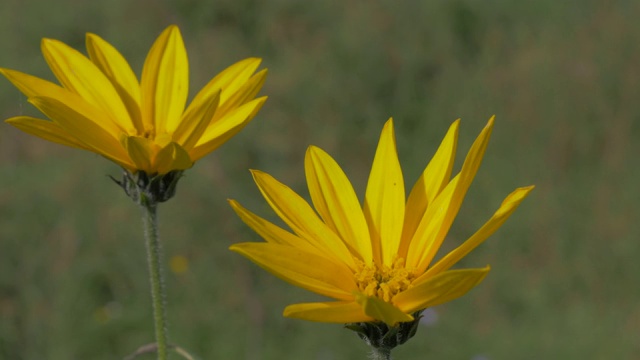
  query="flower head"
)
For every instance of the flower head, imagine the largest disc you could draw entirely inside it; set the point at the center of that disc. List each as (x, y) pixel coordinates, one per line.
(375, 260)
(143, 125)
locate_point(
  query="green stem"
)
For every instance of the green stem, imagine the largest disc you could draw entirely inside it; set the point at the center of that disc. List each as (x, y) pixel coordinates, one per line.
(380, 353)
(154, 256)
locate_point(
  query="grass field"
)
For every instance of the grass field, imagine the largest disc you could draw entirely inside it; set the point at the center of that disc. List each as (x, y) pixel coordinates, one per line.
(563, 79)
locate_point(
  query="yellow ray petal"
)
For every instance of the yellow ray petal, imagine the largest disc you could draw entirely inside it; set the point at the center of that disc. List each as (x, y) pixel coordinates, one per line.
(117, 69)
(194, 124)
(268, 231)
(32, 86)
(431, 224)
(336, 201)
(384, 199)
(442, 288)
(434, 178)
(331, 312)
(474, 159)
(308, 270)
(244, 94)
(113, 65)
(509, 205)
(301, 218)
(165, 82)
(172, 157)
(237, 76)
(223, 130)
(78, 74)
(229, 79)
(83, 129)
(47, 130)
(381, 310)
(141, 151)
(435, 225)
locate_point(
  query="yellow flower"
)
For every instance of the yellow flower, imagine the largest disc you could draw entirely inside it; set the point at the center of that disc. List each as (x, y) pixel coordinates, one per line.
(142, 126)
(374, 260)
(179, 264)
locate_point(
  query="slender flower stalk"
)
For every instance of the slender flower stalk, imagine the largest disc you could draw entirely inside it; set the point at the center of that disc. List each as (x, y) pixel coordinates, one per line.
(158, 293)
(380, 353)
(142, 125)
(375, 260)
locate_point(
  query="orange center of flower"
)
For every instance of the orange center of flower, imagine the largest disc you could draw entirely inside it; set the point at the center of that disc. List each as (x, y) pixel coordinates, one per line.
(384, 282)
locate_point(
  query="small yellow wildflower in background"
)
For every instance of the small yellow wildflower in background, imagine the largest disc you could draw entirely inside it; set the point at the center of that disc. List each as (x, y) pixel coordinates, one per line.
(142, 126)
(179, 264)
(374, 260)
(107, 312)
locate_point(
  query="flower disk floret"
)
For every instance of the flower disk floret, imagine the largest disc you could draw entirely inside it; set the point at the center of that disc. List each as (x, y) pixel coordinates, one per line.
(385, 282)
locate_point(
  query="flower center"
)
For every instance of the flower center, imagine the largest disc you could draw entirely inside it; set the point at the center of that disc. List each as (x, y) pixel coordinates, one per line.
(384, 282)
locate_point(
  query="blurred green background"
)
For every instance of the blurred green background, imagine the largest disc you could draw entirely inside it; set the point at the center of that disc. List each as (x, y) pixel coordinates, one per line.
(562, 77)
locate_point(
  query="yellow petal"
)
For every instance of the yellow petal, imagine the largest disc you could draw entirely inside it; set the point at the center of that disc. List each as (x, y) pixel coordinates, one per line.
(194, 124)
(268, 231)
(47, 130)
(229, 80)
(430, 225)
(141, 152)
(304, 269)
(78, 74)
(301, 218)
(172, 157)
(381, 310)
(336, 201)
(165, 82)
(435, 225)
(330, 312)
(83, 129)
(434, 178)
(474, 159)
(384, 199)
(244, 94)
(509, 205)
(442, 288)
(223, 130)
(118, 71)
(109, 60)
(32, 86)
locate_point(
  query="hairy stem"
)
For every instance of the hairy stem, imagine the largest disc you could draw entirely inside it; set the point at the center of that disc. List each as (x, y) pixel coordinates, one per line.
(158, 293)
(380, 353)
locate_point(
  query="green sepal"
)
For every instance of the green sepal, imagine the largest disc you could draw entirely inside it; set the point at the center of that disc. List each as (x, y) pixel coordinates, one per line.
(380, 335)
(149, 190)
